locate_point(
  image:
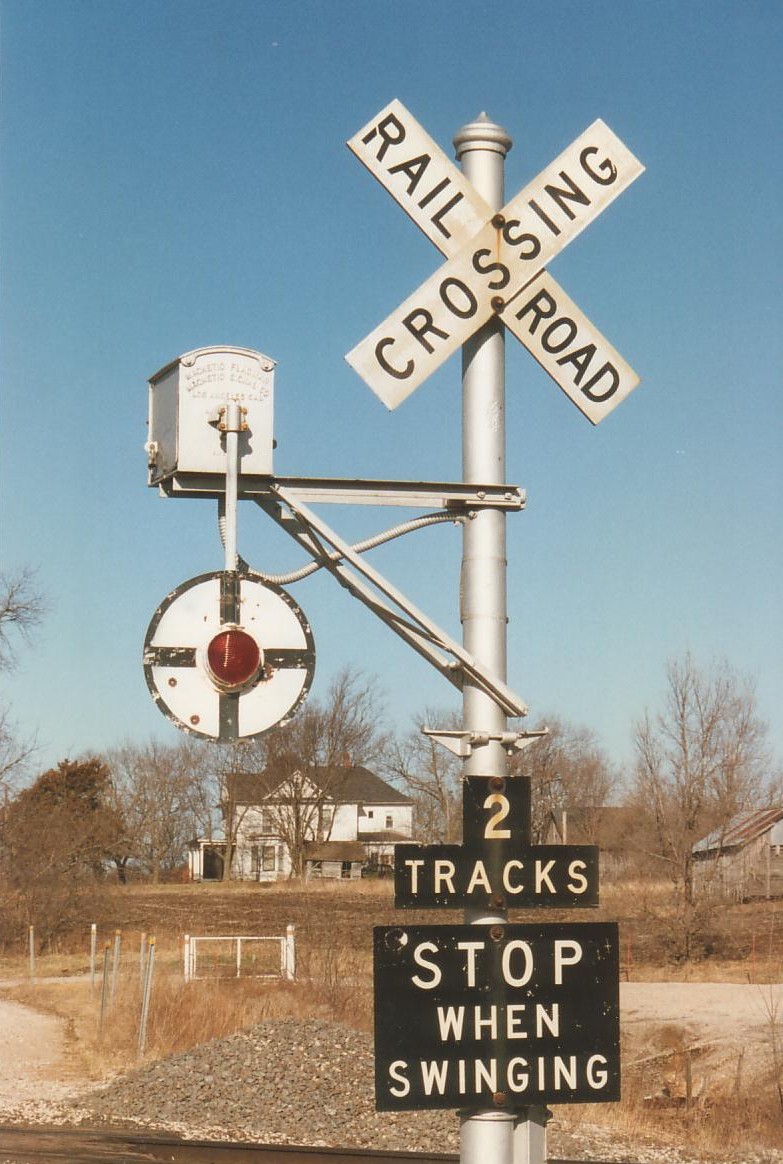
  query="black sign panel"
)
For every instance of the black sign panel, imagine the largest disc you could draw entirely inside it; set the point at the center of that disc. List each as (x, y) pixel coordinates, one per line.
(495, 811)
(503, 876)
(496, 1016)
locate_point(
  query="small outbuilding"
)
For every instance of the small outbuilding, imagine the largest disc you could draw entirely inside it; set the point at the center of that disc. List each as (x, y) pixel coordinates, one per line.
(743, 859)
(333, 860)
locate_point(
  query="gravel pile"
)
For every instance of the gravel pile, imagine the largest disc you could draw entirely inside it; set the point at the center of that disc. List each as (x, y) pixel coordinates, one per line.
(284, 1081)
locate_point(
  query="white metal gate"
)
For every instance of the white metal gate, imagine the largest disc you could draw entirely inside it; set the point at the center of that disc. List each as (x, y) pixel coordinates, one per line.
(240, 956)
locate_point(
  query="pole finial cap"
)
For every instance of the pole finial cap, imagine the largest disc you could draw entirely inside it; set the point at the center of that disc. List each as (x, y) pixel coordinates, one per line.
(482, 134)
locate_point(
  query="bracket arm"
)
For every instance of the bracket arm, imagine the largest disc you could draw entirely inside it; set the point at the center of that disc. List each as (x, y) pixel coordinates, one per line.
(415, 628)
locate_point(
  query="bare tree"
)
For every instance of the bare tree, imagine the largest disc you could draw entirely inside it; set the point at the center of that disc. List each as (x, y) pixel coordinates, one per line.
(567, 769)
(432, 776)
(157, 790)
(15, 753)
(232, 762)
(345, 724)
(299, 812)
(305, 761)
(21, 609)
(701, 760)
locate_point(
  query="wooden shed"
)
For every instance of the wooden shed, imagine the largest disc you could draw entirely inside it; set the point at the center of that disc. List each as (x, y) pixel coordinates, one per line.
(743, 859)
(334, 860)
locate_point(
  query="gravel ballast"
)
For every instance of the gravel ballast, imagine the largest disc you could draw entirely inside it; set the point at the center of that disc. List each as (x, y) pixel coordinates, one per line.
(283, 1081)
(310, 1082)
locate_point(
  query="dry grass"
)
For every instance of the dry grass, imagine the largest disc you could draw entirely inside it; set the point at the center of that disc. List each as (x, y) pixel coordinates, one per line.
(729, 1103)
(687, 1102)
(334, 981)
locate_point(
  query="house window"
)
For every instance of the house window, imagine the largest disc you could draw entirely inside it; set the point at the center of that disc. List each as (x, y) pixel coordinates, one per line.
(254, 860)
(389, 821)
(268, 863)
(267, 821)
(345, 872)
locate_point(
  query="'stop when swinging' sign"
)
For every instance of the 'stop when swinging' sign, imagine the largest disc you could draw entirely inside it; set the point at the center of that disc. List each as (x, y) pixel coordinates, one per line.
(495, 262)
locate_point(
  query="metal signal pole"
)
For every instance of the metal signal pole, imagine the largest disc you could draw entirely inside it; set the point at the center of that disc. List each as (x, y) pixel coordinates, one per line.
(491, 1136)
(481, 148)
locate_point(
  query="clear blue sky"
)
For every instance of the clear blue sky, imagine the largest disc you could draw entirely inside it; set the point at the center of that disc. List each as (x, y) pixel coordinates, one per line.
(174, 175)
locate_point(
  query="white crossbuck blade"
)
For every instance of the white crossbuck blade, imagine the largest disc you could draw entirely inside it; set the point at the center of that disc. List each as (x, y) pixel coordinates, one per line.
(495, 262)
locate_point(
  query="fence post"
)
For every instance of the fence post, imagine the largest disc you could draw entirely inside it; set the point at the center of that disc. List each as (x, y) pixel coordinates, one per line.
(105, 986)
(289, 972)
(239, 957)
(142, 946)
(145, 996)
(115, 963)
(31, 948)
(186, 958)
(93, 948)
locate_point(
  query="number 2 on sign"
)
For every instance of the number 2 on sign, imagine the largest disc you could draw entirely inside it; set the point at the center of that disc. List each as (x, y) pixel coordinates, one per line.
(501, 806)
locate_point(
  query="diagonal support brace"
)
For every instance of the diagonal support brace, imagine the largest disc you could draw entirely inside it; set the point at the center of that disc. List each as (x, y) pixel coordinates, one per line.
(366, 584)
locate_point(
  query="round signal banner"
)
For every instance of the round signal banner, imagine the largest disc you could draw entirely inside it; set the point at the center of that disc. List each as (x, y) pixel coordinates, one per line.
(228, 656)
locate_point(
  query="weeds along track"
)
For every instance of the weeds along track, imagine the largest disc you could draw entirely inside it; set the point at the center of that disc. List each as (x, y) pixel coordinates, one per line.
(82, 1146)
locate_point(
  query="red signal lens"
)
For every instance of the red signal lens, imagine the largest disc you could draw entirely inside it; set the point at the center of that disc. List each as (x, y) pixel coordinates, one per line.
(234, 657)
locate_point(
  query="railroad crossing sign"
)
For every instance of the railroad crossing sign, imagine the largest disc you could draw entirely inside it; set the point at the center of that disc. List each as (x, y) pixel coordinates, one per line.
(496, 262)
(228, 656)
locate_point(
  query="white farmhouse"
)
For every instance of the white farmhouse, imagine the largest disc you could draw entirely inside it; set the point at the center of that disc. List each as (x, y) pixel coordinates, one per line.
(322, 822)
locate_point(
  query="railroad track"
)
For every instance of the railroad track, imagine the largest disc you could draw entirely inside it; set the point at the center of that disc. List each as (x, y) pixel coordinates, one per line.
(83, 1146)
(23, 1145)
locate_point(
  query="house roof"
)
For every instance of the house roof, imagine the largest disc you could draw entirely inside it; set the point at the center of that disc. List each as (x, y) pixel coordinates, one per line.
(740, 831)
(341, 785)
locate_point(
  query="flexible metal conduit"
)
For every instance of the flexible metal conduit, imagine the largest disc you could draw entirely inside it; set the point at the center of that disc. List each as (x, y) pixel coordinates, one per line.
(359, 548)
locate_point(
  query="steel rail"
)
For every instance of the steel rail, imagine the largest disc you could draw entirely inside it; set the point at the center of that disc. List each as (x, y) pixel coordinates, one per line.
(55, 1145)
(47, 1145)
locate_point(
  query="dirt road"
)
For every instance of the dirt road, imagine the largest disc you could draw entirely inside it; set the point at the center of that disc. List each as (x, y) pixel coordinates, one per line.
(32, 1054)
(720, 1012)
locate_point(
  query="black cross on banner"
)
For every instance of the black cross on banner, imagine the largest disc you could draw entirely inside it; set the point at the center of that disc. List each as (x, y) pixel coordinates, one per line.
(198, 614)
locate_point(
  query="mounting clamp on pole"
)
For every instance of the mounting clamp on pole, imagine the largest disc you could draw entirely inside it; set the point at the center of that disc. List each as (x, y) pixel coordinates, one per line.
(462, 742)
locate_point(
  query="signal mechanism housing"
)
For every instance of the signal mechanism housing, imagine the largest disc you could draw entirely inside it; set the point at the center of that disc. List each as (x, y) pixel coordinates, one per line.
(186, 449)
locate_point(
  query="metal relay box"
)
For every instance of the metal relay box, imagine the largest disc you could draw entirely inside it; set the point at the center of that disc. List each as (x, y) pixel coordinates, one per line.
(185, 445)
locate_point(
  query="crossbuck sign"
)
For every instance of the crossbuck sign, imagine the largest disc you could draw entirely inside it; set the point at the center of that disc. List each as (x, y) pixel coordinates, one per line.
(496, 262)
